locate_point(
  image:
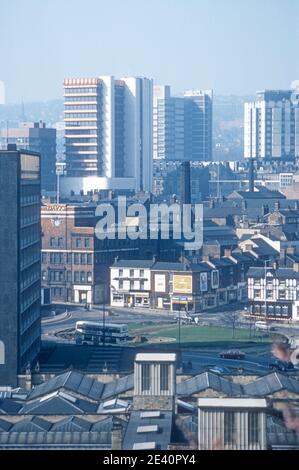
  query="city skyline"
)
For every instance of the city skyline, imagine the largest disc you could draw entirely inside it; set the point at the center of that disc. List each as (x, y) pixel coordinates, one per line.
(232, 32)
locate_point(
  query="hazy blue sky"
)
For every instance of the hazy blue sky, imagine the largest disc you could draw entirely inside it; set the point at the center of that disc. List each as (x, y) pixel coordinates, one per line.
(232, 46)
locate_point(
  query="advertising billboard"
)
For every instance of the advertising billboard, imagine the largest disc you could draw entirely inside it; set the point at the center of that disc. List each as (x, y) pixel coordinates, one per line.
(182, 283)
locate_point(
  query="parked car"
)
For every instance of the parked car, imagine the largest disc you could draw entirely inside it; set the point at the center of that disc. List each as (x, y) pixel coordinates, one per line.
(280, 365)
(232, 354)
(220, 370)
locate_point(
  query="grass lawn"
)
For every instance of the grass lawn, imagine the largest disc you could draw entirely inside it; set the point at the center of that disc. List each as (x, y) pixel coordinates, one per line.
(195, 334)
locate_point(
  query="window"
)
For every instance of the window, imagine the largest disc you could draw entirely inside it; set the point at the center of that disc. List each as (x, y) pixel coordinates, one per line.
(131, 272)
(69, 258)
(82, 276)
(60, 242)
(145, 377)
(44, 275)
(69, 276)
(89, 258)
(76, 258)
(83, 258)
(164, 377)
(253, 428)
(87, 243)
(89, 276)
(53, 241)
(78, 243)
(229, 427)
(76, 276)
(121, 284)
(121, 272)
(44, 257)
(141, 272)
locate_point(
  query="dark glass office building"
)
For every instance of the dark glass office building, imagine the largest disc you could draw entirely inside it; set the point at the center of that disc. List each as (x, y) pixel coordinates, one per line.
(20, 248)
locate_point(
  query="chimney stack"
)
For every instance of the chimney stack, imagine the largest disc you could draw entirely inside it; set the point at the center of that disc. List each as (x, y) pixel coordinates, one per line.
(185, 183)
(251, 175)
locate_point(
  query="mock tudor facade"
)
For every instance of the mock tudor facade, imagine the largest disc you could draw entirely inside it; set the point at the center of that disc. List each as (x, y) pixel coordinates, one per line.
(273, 293)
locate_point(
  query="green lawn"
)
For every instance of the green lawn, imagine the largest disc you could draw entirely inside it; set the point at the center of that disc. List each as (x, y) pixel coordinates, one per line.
(194, 334)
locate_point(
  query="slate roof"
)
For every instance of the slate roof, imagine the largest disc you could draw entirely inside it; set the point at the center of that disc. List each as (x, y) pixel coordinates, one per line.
(162, 437)
(264, 247)
(9, 407)
(208, 380)
(58, 403)
(279, 436)
(71, 424)
(270, 384)
(55, 440)
(281, 273)
(72, 381)
(260, 387)
(33, 424)
(118, 386)
(4, 425)
(132, 263)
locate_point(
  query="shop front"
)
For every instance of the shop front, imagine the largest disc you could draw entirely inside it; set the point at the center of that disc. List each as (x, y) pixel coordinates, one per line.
(182, 303)
(82, 294)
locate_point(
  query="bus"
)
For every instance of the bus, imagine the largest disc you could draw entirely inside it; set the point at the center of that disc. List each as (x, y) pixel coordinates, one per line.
(90, 332)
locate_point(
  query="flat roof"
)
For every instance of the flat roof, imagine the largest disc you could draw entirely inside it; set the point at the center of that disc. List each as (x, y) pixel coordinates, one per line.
(155, 357)
(232, 403)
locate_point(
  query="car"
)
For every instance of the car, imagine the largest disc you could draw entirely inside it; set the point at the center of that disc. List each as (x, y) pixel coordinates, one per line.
(219, 370)
(281, 365)
(232, 354)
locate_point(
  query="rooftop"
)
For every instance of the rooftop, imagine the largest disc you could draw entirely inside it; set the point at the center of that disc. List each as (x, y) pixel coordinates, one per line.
(155, 357)
(232, 403)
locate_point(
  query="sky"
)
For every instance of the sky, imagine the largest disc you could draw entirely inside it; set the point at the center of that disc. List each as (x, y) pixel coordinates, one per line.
(231, 46)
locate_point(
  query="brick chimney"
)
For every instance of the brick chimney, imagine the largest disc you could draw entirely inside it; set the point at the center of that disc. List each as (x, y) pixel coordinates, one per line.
(227, 252)
(291, 250)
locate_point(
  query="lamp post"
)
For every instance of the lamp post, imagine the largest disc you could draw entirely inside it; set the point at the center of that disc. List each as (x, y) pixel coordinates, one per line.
(104, 318)
(179, 326)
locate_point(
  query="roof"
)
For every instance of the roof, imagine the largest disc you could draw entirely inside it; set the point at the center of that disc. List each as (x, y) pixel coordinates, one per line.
(232, 403)
(208, 380)
(55, 440)
(159, 432)
(8, 406)
(132, 263)
(4, 425)
(33, 424)
(261, 387)
(279, 436)
(71, 424)
(59, 403)
(73, 381)
(270, 384)
(155, 357)
(280, 273)
(118, 386)
(262, 193)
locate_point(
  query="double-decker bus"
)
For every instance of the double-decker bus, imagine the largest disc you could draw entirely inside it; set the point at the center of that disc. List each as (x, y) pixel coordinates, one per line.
(90, 332)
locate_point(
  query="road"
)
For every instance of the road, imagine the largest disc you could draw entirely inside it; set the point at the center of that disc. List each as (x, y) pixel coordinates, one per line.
(257, 358)
(253, 363)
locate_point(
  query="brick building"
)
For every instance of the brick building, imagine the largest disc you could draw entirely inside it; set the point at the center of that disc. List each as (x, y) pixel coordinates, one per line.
(75, 263)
